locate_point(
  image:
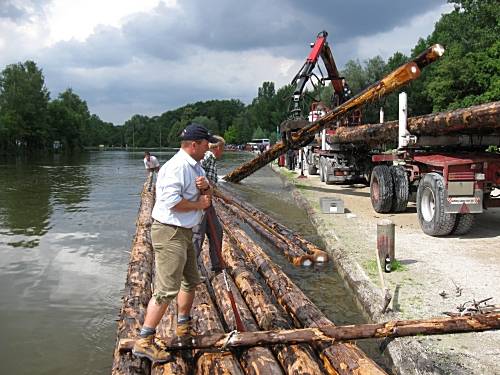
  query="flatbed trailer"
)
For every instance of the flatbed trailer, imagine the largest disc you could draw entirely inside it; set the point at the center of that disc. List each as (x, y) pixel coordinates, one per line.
(450, 182)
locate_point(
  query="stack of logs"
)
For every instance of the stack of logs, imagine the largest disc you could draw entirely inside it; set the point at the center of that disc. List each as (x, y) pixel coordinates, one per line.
(267, 300)
(298, 250)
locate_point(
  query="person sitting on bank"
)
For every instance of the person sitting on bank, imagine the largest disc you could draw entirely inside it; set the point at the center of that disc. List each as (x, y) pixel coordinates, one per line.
(151, 163)
(182, 193)
(214, 232)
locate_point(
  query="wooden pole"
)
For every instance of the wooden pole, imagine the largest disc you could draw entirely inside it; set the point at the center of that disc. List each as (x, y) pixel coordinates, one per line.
(385, 243)
(330, 333)
(394, 80)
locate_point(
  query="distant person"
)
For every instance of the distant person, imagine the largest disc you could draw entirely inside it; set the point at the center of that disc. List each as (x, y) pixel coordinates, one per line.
(151, 163)
(209, 164)
(262, 148)
(182, 193)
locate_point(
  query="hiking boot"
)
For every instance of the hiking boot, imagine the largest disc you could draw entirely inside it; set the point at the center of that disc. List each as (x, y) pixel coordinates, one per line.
(185, 329)
(146, 347)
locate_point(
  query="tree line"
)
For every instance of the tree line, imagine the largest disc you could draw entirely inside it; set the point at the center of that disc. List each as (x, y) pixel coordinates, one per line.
(466, 75)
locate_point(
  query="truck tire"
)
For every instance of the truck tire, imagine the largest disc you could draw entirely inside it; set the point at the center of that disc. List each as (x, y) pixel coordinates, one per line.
(321, 169)
(463, 224)
(381, 189)
(430, 206)
(401, 189)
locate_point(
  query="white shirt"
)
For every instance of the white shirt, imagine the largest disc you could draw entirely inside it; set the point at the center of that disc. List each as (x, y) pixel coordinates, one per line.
(177, 180)
(152, 163)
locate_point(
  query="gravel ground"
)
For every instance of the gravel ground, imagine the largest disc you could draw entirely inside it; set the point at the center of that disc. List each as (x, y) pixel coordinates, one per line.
(436, 274)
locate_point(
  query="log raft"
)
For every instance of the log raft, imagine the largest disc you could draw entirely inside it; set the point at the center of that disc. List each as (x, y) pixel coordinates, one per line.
(285, 332)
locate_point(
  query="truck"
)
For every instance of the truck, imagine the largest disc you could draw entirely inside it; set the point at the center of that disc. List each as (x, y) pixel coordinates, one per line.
(333, 162)
(450, 177)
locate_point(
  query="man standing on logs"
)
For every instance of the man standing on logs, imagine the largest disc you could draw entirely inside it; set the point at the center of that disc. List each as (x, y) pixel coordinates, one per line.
(178, 208)
(209, 164)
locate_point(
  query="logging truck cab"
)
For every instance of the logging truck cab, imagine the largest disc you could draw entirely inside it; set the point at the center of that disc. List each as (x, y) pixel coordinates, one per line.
(332, 161)
(450, 178)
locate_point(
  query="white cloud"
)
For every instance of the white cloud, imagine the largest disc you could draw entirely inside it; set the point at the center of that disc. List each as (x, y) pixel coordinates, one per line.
(77, 19)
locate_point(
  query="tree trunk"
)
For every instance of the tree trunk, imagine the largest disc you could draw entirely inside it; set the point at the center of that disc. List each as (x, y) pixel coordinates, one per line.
(293, 253)
(391, 329)
(181, 360)
(398, 78)
(137, 289)
(206, 320)
(337, 358)
(481, 119)
(256, 360)
(292, 240)
(295, 359)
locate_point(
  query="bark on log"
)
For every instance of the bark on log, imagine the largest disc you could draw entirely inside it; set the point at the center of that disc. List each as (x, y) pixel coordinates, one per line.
(295, 359)
(337, 358)
(137, 289)
(480, 119)
(181, 360)
(391, 329)
(255, 360)
(396, 79)
(292, 239)
(296, 255)
(205, 320)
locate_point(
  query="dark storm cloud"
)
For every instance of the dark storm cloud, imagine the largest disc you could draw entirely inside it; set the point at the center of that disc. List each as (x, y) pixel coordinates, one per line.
(283, 27)
(115, 68)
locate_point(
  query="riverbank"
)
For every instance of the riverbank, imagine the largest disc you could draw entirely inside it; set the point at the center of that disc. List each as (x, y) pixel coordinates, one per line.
(435, 275)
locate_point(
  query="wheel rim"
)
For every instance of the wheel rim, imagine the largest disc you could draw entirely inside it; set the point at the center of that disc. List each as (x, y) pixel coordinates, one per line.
(428, 205)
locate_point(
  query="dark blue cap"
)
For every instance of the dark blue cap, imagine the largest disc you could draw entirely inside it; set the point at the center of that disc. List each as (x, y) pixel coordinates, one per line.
(196, 132)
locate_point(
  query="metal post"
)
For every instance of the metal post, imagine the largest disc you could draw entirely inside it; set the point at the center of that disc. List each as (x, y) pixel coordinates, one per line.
(403, 120)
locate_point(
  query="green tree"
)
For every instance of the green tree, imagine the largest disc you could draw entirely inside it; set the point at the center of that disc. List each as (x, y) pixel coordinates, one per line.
(23, 106)
(70, 120)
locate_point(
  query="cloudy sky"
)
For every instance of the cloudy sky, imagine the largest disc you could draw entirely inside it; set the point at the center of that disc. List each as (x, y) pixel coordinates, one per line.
(147, 56)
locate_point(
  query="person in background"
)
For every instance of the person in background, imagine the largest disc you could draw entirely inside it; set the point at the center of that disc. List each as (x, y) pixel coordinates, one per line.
(182, 193)
(151, 163)
(209, 164)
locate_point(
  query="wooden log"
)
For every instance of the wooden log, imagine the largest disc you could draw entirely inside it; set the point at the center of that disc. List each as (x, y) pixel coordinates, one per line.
(137, 289)
(480, 119)
(391, 329)
(292, 239)
(394, 80)
(295, 359)
(181, 361)
(205, 320)
(255, 360)
(385, 243)
(337, 358)
(293, 253)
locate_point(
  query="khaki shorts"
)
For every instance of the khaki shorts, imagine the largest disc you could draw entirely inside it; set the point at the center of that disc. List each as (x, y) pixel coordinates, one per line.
(175, 261)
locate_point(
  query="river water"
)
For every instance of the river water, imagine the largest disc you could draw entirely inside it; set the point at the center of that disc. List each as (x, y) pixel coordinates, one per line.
(66, 227)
